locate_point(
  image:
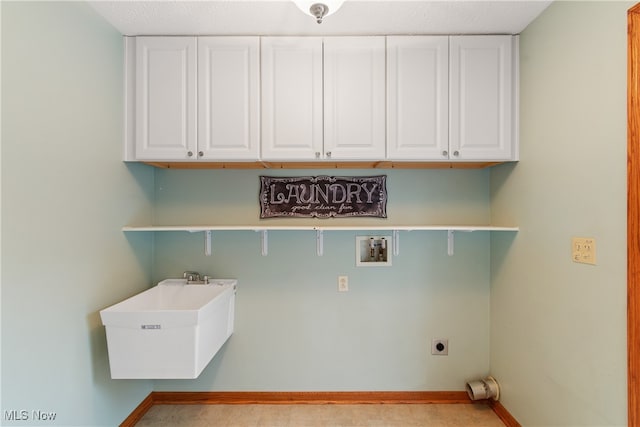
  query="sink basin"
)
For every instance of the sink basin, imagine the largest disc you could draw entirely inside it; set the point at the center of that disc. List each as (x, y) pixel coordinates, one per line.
(171, 330)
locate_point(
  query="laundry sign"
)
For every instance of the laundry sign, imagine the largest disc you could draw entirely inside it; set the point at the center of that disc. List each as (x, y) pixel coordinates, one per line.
(323, 196)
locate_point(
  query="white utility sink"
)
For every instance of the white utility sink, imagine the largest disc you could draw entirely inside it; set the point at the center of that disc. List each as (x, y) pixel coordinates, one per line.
(172, 330)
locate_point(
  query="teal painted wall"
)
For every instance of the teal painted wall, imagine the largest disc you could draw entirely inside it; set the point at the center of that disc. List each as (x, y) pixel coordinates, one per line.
(65, 196)
(513, 304)
(294, 330)
(558, 328)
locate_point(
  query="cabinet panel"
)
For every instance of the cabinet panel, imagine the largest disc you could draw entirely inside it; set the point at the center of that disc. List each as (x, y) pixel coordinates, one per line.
(165, 97)
(228, 98)
(354, 95)
(481, 97)
(417, 97)
(291, 97)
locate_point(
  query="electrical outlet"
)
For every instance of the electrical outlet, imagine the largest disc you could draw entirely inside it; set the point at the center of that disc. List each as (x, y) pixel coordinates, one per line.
(343, 283)
(440, 347)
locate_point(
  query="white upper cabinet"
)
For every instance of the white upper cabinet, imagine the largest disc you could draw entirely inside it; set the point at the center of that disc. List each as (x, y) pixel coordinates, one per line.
(452, 98)
(417, 97)
(196, 98)
(323, 98)
(295, 99)
(291, 98)
(228, 98)
(165, 101)
(354, 98)
(483, 97)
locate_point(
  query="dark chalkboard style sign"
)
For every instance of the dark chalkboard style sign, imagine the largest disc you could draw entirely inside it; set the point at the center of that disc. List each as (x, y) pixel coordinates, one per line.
(323, 196)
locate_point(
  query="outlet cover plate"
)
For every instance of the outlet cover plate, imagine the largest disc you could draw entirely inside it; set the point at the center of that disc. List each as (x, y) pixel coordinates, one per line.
(440, 347)
(583, 250)
(343, 283)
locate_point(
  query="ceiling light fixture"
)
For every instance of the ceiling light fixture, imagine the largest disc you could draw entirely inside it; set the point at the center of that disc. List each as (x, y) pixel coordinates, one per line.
(319, 8)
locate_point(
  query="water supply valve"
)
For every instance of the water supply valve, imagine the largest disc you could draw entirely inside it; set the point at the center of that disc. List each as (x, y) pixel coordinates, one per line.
(373, 251)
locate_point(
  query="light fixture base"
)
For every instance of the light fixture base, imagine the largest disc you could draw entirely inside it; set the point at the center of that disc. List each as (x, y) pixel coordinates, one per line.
(319, 10)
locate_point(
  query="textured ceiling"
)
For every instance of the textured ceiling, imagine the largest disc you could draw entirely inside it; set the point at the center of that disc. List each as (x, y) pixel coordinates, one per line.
(282, 17)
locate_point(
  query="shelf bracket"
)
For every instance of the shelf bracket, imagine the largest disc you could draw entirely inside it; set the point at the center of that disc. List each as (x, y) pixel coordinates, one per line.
(319, 242)
(396, 242)
(264, 243)
(207, 242)
(450, 242)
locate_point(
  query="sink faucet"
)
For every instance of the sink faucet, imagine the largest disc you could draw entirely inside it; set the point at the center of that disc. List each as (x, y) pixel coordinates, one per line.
(193, 278)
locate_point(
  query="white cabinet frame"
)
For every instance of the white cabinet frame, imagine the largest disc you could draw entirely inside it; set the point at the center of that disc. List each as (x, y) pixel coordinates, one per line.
(323, 98)
(165, 98)
(482, 97)
(292, 84)
(354, 98)
(418, 97)
(228, 98)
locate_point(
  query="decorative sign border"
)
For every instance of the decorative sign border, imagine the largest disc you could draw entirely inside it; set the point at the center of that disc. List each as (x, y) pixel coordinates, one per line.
(323, 196)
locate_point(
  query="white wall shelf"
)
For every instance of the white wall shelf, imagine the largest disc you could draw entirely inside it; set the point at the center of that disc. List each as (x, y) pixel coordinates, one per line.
(319, 229)
(260, 227)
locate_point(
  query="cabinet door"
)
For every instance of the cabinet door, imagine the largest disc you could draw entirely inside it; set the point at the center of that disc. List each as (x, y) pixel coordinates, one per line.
(228, 98)
(417, 97)
(481, 78)
(354, 97)
(291, 98)
(165, 98)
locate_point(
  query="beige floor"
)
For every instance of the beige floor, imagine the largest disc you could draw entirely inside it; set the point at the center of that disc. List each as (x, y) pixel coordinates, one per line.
(390, 415)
